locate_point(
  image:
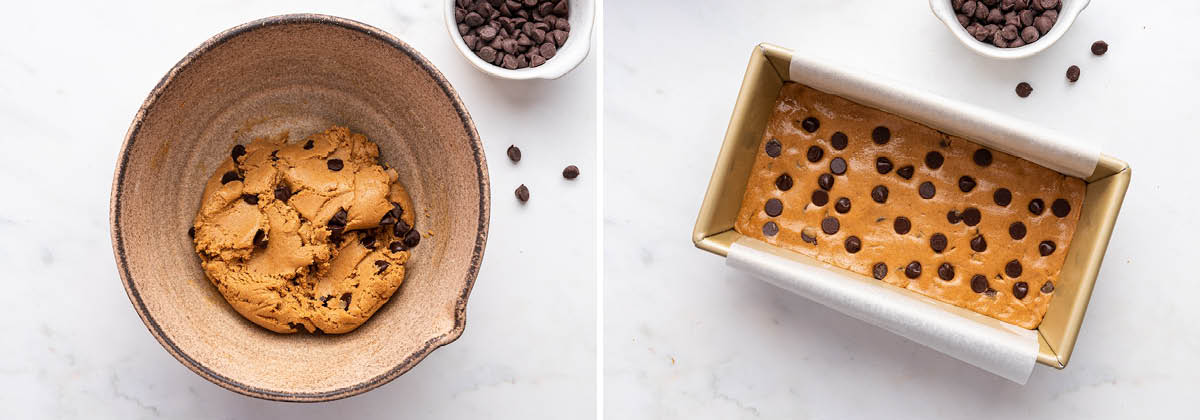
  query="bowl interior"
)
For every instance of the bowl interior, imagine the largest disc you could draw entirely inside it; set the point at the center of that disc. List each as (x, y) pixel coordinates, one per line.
(299, 74)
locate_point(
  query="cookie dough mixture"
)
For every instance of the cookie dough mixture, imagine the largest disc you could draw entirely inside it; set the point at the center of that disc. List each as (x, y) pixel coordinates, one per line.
(886, 197)
(312, 235)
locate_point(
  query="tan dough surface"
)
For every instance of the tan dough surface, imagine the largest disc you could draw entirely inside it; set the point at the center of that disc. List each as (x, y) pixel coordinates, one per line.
(303, 277)
(873, 223)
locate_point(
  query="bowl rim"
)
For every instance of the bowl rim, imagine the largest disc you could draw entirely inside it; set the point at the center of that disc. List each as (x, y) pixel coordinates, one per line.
(480, 239)
(942, 10)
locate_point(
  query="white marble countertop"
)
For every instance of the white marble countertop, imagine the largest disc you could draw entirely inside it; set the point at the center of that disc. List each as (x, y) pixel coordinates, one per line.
(686, 337)
(71, 78)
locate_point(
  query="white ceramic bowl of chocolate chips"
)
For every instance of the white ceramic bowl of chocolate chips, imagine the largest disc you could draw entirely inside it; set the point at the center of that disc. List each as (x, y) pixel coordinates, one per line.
(1008, 29)
(522, 39)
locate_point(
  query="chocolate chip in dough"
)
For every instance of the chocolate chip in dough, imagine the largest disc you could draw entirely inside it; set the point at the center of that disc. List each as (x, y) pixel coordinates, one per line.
(810, 124)
(282, 192)
(946, 272)
(514, 153)
(1017, 230)
(971, 216)
(880, 135)
(570, 172)
(396, 246)
(522, 193)
(842, 205)
(879, 271)
(815, 153)
(335, 164)
(230, 177)
(830, 225)
(982, 157)
(953, 217)
(926, 190)
(1073, 74)
(853, 244)
(774, 207)
(367, 242)
(913, 270)
(770, 229)
(308, 145)
(966, 183)
(400, 228)
(784, 182)
(906, 172)
(978, 244)
(412, 238)
(192, 232)
(338, 221)
(1024, 88)
(1003, 197)
(1020, 289)
(934, 160)
(938, 242)
(883, 165)
(391, 216)
(381, 265)
(1013, 269)
(837, 166)
(902, 225)
(1046, 248)
(1099, 47)
(820, 198)
(1048, 287)
(879, 194)
(825, 181)
(237, 152)
(979, 283)
(260, 239)
(1060, 208)
(1037, 206)
(250, 199)
(773, 148)
(839, 140)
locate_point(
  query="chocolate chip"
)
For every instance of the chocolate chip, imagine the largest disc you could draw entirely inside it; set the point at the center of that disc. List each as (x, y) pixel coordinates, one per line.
(853, 244)
(1048, 287)
(773, 148)
(338, 221)
(514, 153)
(978, 244)
(1016, 230)
(192, 232)
(770, 229)
(938, 242)
(842, 205)
(883, 165)
(934, 160)
(830, 225)
(879, 194)
(571, 172)
(346, 296)
(238, 151)
(1020, 289)
(392, 216)
(946, 272)
(982, 157)
(522, 193)
(837, 166)
(971, 216)
(784, 182)
(1023, 88)
(368, 241)
(308, 145)
(396, 246)
(913, 270)
(412, 238)
(250, 199)
(1099, 47)
(966, 183)
(979, 283)
(902, 225)
(260, 239)
(810, 124)
(774, 207)
(230, 177)
(879, 271)
(282, 192)
(1037, 206)
(400, 228)
(906, 172)
(1046, 248)
(825, 181)
(382, 265)
(1060, 208)
(926, 190)
(1073, 74)
(1002, 197)
(808, 235)
(1013, 269)
(953, 217)
(820, 198)
(880, 135)
(815, 153)
(334, 164)
(839, 140)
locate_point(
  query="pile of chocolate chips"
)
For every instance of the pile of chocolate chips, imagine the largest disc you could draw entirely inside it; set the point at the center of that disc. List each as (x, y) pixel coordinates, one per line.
(513, 34)
(1007, 23)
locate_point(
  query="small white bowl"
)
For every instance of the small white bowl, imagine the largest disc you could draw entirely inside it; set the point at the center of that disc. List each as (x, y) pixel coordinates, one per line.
(579, 41)
(1066, 17)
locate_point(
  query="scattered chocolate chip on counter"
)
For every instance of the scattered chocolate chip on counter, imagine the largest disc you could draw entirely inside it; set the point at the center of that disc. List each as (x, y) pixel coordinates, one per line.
(513, 34)
(514, 153)
(1073, 74)
(571, 172)
(1099, 47)
(1007, 23)
(522, 193)
(1024, 89)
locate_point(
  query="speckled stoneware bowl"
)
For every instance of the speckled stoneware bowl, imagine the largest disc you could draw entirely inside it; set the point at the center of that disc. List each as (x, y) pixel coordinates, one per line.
(301, 74)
